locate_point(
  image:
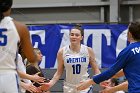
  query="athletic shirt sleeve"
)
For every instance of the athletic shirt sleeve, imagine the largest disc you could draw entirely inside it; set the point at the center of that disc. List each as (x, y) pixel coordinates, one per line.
(121, 61)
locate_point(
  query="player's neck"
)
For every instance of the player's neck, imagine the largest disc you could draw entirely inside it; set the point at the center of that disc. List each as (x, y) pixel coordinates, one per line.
(75, 48)
(36, 65)
(133, 41)
(7, 13)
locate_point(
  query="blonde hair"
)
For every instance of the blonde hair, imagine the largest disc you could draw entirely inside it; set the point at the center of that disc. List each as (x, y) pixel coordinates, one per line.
(36, 51)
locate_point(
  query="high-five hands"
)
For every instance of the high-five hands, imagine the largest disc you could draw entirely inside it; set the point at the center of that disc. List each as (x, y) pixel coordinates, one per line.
(37, 78)
(30, 87)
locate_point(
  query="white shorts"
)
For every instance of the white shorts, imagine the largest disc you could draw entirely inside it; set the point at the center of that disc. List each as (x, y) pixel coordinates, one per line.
(70, 88)
(9, 82)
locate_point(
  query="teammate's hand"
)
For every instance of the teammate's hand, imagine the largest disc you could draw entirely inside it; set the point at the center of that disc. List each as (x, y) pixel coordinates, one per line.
(105, 84)
(107, 90)
(38, 79)
(30, 87)
(45, 86)
(84, 84)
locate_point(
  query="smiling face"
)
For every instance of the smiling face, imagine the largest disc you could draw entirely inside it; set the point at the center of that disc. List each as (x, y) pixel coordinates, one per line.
(75, 36)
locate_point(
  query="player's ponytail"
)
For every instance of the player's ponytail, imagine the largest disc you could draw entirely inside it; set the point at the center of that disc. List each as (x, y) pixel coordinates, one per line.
(1, 15)
(4, 6)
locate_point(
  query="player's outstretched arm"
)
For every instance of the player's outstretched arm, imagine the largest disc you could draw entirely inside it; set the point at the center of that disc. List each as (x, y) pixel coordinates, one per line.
(59, 72)
(92, 61)
(122, 86)
(35, 77)
(119, 74)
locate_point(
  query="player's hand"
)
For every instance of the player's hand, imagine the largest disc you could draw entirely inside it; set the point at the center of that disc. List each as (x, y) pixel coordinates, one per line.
(38, 79)
(45, 86)
(107, 90)
(31, 88)
(105, 84)
(85, 84)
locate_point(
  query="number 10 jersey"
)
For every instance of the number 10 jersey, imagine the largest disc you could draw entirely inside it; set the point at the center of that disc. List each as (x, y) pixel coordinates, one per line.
(76, 64)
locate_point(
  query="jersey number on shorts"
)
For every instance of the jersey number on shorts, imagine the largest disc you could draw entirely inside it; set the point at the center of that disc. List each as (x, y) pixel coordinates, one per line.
(76, 68)
(3, 38)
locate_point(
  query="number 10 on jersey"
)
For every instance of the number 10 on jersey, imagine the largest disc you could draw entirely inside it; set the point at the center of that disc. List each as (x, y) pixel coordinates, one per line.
(76, 68)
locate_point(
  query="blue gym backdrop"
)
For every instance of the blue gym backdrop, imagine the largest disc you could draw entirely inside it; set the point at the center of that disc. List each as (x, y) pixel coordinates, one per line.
(107, 40)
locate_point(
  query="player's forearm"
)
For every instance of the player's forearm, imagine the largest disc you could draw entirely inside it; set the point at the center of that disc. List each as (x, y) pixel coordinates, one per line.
(24, 75)
(103, 76)
(55, 78)
(97, 71)
(21, 74)
(119, 74)
(122, 86)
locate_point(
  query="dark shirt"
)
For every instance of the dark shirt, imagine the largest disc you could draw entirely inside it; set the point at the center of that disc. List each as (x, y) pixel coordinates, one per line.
(30, 69)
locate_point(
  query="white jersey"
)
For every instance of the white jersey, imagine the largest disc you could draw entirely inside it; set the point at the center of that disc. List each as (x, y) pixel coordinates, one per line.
(76, 64)
(9, 39)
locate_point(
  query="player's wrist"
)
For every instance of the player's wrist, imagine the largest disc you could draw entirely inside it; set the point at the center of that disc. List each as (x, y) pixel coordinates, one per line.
(91, 82)
(113, 89)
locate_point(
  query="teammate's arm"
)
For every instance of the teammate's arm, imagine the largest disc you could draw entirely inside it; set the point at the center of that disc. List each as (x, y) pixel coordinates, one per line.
(60, 67)
(35, 77)
(120, 63)
(92, 61)
(25, 41)
(58, 73)
(119, 74)
(122, 86)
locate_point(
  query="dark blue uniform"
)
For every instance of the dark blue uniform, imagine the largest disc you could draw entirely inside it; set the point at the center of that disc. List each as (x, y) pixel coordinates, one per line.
(129, 61)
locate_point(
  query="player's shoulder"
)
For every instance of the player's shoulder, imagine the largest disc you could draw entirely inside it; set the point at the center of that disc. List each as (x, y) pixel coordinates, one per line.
(89, 48)
(84, 46)
(61, 50)
(64, 48)
(19, 24)
(21, 28)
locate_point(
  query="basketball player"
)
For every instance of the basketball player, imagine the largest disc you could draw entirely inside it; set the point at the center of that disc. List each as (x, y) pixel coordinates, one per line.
(128, 60)
(11, 33)
(75, 58)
